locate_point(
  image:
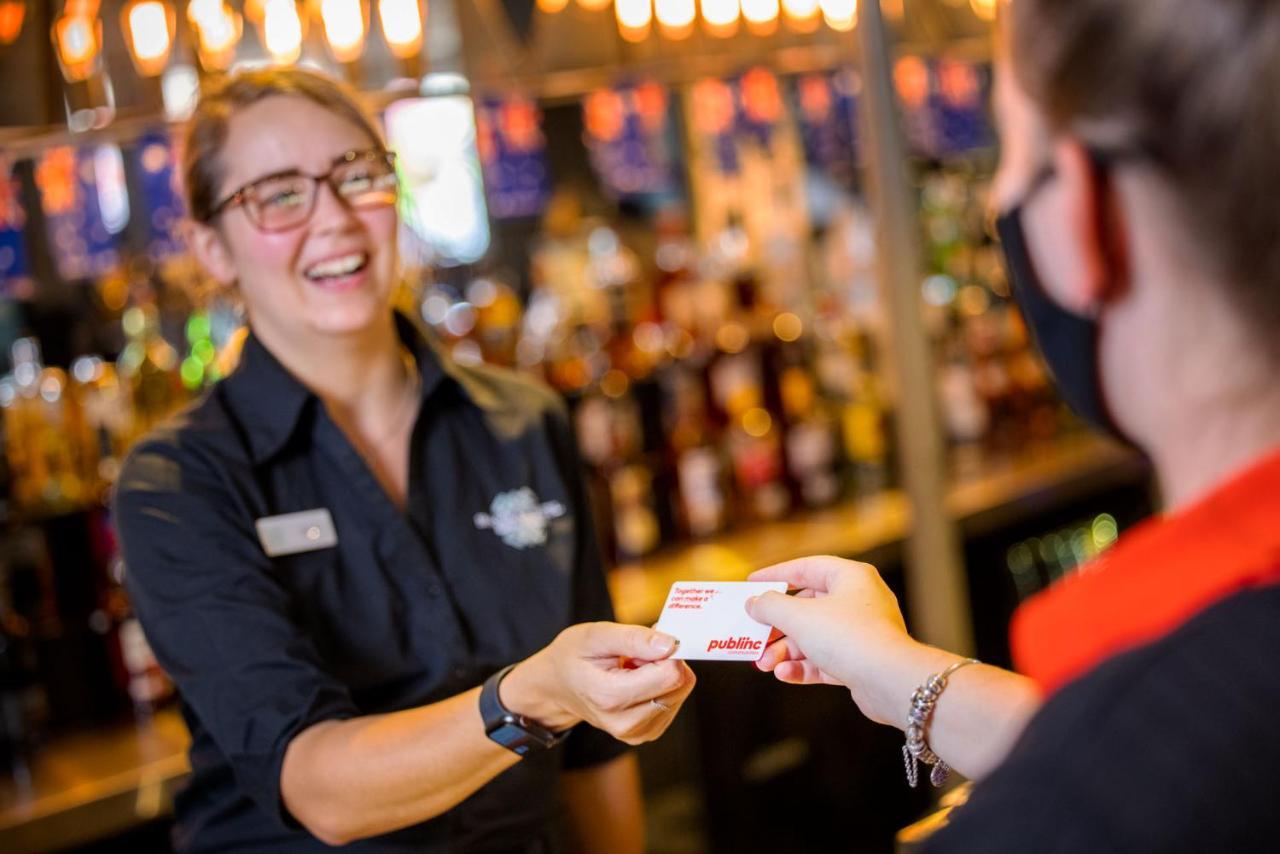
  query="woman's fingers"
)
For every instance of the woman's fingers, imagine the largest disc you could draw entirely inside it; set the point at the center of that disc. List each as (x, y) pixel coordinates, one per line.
(648, 720)
(643, 683)
(802, 672)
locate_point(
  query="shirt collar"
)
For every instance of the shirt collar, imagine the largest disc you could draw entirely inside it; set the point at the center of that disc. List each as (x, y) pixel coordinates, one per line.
(1158, 576)
(271, 402)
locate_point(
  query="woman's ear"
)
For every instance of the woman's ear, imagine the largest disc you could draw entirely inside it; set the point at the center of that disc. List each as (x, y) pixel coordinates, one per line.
(1093, 221)
(210, 250)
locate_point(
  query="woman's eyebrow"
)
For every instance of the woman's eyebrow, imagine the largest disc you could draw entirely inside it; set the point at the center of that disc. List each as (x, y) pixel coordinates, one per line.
(280, 173)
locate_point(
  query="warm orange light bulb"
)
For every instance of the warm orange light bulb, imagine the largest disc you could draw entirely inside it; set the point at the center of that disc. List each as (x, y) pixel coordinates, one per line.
(217, 29)
(676, 17)
(761, 16)
(720, 17)
(344, 28)
(401, 26)
(78, 40)
(551, 7)
(840, 15)
(282, 30)
(634, 18)
(802, 15)
(149, 29)
(593, 5)
(12, 14)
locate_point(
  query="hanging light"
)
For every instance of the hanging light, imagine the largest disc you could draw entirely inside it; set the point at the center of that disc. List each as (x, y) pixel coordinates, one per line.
(218, 28)
(634, 18)
(402, 26)
(77, 39)
(761, 16)
(593, 5)
(344, 28)
(12, 14)
(282, 31)
(720, 17)
(676, 17)
(840, 15)
(802, 15)
(255, 10)
(551, 7)
(149, 27)
(984, 9)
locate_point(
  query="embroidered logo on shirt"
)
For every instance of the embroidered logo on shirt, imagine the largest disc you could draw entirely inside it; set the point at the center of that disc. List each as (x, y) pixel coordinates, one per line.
(519, 518)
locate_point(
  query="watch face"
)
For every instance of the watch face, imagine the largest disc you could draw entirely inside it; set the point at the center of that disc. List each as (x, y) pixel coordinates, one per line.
(513, 738)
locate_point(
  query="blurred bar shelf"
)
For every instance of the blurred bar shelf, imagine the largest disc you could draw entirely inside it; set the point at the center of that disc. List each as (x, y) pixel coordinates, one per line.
(997, 491)
(95, 785)
(91, 786)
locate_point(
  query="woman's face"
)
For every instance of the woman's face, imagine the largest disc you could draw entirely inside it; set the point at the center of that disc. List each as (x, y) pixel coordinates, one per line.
(332, 275)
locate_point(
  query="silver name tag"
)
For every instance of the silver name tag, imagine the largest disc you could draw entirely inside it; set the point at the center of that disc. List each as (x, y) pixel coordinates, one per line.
(292, 533)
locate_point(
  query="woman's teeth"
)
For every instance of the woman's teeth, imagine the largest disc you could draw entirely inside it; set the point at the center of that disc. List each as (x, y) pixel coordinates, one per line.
(335, 267)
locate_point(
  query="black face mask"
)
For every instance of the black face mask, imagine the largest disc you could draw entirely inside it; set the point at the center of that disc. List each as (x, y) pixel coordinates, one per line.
(1067, 341)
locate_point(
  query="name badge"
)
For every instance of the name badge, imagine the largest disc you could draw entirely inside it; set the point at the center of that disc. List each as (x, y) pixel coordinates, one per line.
(293, 533)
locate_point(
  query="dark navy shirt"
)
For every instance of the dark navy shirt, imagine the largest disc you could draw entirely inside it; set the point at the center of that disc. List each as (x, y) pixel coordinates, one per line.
(1171, 748)
(492, 557)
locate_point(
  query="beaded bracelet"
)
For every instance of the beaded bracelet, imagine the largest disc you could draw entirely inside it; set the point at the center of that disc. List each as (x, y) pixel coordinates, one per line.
(917, 749)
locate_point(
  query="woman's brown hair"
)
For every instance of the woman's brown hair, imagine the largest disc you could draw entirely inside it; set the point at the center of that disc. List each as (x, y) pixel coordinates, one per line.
(1190, 86)
(207, 130)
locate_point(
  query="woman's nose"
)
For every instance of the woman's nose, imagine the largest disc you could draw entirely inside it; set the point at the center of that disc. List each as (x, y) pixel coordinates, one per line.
(331, 211)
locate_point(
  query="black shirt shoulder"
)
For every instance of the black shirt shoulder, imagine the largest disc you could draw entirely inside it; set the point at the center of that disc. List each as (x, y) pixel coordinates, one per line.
(1168, 748)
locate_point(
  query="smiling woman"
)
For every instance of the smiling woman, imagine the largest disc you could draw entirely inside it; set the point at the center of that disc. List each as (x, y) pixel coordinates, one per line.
(320, 549)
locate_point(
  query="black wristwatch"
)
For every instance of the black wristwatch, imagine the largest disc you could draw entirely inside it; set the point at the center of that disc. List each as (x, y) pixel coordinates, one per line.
(514, 732)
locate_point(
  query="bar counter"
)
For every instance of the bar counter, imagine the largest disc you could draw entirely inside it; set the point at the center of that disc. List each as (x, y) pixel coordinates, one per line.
(93, 785)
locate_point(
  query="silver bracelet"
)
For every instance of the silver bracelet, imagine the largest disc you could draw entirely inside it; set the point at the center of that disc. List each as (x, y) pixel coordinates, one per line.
(917, 749)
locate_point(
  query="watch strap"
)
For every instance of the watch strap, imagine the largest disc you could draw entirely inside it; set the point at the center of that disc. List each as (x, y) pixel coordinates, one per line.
(513, 731)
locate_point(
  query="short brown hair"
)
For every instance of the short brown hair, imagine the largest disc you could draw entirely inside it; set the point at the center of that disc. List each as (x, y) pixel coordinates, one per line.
(1191, 85)
(207, 130)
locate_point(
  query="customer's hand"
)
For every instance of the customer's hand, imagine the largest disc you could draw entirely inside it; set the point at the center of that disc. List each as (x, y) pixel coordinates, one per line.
(843, 627)
(617, 678)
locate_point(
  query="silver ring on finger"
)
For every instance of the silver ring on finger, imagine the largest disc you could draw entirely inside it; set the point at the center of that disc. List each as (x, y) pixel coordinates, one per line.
(661, 705)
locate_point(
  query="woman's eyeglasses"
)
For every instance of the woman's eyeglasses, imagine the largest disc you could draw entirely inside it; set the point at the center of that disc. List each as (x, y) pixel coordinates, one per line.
(361, 179)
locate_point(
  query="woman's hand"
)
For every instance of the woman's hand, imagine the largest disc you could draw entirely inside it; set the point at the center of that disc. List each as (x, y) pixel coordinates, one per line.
(619, 679)
(844, 627)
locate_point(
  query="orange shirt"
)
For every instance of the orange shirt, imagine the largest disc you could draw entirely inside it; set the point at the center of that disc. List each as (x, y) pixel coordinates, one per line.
(1154, 579)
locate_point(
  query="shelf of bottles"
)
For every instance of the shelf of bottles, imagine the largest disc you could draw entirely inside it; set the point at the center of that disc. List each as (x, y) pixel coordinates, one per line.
(720, 351)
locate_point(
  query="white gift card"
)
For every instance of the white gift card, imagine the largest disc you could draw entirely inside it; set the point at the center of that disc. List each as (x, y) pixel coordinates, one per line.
(711, 622)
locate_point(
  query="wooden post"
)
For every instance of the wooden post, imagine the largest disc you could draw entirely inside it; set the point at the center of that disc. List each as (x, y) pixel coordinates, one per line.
(937, 591)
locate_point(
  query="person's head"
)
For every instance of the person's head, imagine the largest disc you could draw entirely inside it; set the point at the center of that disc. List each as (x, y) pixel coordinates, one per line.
(308, 258)
(1140, 139)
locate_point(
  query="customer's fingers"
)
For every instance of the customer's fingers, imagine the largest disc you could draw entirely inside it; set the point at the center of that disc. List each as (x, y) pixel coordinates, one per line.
(802, 672)
(783, 649)
(814, 573)
(777, 610)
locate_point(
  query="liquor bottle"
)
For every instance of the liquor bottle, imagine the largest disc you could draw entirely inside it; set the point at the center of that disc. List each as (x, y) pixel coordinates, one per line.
(148, 365)
(847, 375)
(811, 449)
(49, 445)
(964, 411)
(498, 317)
(702, 495)
(20, 696)
(108, 411)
